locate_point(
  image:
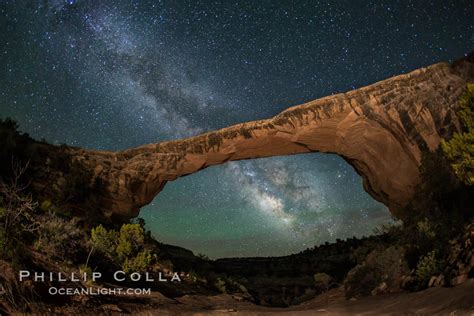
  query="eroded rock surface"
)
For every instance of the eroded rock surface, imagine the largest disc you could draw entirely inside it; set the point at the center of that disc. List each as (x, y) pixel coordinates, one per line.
(381, 130)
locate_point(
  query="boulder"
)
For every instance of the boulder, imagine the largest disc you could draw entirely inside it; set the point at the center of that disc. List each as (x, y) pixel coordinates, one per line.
(460, 279)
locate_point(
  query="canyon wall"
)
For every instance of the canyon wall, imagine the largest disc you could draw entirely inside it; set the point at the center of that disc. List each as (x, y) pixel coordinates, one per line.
(381, 130)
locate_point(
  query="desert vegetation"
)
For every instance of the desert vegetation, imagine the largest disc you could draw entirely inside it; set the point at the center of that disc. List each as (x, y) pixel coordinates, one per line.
(48, 223)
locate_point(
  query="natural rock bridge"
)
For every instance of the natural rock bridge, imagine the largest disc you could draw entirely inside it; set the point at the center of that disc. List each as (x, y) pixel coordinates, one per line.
(381, 130)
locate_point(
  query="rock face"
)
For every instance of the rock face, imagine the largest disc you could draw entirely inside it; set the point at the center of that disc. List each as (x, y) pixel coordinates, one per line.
(381, 130)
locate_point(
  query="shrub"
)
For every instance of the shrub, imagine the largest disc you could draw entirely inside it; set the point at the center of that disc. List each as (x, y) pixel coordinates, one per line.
(130, 239)
(383, 265)
(126, 248)
(104, 241)
(459, 150)
(17, 212)
(46, 206)
(83, 269)
(428, 266)
(139, 263)
(360, 253)
(442, 205)
(426, 229)
(58, 237)
(322, 280)
(220, 285)
(195, 277)
(360, 281)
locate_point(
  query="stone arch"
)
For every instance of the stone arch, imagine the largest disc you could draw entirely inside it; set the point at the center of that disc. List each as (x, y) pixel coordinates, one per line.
(380, 129)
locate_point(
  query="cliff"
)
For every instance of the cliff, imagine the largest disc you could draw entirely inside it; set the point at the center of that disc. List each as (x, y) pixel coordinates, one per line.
(380, 129)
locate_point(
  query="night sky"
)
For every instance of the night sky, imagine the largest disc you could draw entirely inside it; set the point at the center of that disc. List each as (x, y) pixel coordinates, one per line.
(117, 74)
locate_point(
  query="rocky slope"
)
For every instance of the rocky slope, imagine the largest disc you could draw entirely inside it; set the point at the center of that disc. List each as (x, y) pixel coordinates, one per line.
(381, 130)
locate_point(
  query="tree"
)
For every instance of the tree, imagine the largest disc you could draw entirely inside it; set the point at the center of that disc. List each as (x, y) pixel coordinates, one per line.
(130, 240)
(104, 241)
(16, 210)
(126, 248)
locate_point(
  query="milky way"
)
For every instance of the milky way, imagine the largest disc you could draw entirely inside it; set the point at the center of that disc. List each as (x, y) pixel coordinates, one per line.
(117, 74)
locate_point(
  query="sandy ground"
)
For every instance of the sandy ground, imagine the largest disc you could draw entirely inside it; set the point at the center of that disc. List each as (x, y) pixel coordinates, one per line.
(435, 301)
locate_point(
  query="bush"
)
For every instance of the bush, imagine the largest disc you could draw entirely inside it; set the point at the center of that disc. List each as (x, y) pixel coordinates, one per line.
(442, 205)
(85, 270)
(360, 253)
(381, 266)
(322, 280)
(104, 241)
(220, 285)
(17, 213)
(139, 263)
(360, 281)
(428, 266)
(194, 277)
(48, 207)
(131, 238)
(126, 248)
(459, 150)
(58, 237)
(426, 229)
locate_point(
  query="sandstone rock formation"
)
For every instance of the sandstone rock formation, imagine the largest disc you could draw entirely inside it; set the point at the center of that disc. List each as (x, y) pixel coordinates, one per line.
(381, 130)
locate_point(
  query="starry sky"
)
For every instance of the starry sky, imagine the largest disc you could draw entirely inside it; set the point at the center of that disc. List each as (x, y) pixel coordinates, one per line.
(117, 74)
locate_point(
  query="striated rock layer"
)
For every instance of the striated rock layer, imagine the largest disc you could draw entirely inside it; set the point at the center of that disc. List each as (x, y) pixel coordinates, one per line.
(381, 130)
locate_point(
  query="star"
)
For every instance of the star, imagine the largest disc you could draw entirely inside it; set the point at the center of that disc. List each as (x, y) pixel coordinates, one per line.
(111, 75)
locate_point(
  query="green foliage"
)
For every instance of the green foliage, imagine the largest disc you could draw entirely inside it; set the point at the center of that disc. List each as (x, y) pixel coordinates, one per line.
(83, 269)
(426, 229)
(466, 104)
(322, 280)
(46, 206)
(140, 262)
(442, 204)
(126, 248)
(428, 266)
(459, 150)
(131, 237)
(195, 277)
(220, 285)
(104, 241)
